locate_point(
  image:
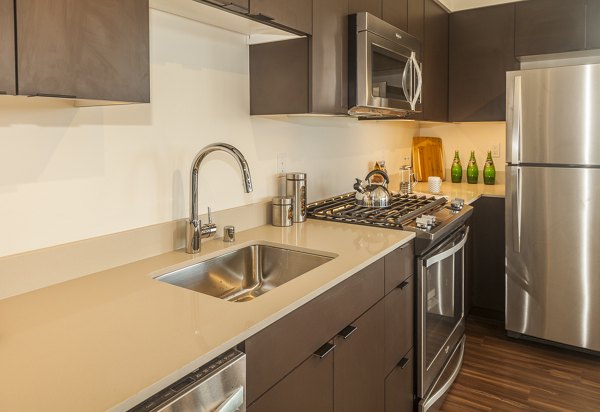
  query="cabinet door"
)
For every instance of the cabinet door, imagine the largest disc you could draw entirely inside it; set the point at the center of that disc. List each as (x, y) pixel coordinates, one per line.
(481, 51)
(435, 63)
(309, 387)
(84, 49)
(416, 8)
(371, 6)
(395, 13)
(329, 52)
(240, 6)
(7, 48)
(549, 26)
(488, 271)
(592, 25)
(295, 14)
(399, 386)
(399, 314)
(276, 350)
(358, 366)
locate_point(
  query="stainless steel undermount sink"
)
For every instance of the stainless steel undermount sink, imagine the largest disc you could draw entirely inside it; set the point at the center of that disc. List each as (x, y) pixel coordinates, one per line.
(244, 274)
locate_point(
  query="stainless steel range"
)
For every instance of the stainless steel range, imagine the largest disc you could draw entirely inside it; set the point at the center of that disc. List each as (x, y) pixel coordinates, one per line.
(441, 235)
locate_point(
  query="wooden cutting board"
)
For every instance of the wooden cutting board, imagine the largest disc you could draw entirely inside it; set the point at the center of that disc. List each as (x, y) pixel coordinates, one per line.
(428, 157)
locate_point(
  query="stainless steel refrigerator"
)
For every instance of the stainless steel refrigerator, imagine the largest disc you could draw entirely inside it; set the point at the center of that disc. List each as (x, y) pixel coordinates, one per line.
(553, 205)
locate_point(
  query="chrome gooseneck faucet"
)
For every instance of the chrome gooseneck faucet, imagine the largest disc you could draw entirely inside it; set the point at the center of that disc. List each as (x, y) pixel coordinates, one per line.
(195, 229)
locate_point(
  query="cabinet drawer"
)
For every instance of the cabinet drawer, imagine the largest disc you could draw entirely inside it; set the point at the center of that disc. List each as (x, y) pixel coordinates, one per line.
(399, 392)
(306, 388)
(399, 265)
(278, 349)
(399, 321)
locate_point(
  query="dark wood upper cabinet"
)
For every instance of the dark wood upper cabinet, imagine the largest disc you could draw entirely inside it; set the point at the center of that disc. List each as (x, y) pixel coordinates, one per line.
(84, 49)
(415, 13)
(435, 63)
(239, 6)
(592, 25)
(481, 52)
(294, 14)
(370, 6)
(549, 26)
(308, 75)
(7, 48)
(395, 12)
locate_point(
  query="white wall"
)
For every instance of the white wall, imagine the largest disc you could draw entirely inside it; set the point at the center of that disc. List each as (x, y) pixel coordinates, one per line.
(69, 173)
(465, 137)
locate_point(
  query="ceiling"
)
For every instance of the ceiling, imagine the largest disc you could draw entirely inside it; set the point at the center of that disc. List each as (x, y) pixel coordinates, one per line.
(456, 5)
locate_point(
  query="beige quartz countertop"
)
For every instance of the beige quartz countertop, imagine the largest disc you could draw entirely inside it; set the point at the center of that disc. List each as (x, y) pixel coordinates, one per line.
(109, 340)
(469, 193)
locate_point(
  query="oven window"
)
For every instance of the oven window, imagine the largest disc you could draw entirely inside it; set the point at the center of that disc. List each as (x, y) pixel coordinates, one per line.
(444, 300)
(388, 72)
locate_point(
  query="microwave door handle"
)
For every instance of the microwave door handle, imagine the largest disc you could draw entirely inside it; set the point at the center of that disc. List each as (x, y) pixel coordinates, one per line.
(417, 95)
(405, 83)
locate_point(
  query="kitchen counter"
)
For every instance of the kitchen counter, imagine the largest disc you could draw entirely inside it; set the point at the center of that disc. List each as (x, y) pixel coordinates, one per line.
(111, 339)
(469, 193)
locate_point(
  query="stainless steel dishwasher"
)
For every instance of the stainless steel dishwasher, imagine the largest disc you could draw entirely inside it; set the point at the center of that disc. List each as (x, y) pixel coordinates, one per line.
(218, 386)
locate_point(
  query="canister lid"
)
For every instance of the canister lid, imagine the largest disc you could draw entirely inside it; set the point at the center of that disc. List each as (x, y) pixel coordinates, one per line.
(282, 200)
(296, 176)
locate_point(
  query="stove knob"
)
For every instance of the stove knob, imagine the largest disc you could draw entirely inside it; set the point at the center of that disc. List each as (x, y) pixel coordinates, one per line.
(422, 223)
(457, 204)
(431, 220)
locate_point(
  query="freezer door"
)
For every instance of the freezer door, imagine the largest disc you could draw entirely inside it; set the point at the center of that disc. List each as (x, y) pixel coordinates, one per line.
(552, 116)
(553, 254)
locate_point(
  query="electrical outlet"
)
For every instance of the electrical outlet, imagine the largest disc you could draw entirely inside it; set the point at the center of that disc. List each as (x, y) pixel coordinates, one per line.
(281, 162)
(496, 150)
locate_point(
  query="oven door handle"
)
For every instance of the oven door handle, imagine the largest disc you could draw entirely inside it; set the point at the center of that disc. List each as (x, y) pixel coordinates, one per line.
(449, 252)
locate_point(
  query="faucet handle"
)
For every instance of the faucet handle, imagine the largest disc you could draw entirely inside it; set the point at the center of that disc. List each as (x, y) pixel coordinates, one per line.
(209, 216)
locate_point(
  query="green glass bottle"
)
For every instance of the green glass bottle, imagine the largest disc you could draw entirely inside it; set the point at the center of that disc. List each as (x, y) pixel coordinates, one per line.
(456, 170)
(472, 169)
(489, 170)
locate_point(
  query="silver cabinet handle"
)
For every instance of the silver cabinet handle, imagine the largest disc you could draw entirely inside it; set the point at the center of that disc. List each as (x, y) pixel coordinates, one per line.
(233, 403)
(324, 350)
(347, 331)
(403, 285)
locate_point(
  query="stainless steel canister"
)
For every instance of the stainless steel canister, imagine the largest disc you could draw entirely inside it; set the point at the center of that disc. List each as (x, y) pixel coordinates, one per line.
(283, 211)
(295, 185)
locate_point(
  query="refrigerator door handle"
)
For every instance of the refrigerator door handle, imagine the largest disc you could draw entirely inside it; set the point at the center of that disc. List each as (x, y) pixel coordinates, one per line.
(516, 208)
(516, 124)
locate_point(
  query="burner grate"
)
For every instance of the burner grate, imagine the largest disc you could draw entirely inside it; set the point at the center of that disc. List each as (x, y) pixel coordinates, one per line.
(343, 208)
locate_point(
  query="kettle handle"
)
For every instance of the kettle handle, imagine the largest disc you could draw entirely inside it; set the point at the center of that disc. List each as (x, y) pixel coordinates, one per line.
(378, 172)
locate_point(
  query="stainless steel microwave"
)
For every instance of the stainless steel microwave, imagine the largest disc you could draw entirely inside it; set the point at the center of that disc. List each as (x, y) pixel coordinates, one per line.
(384, 71)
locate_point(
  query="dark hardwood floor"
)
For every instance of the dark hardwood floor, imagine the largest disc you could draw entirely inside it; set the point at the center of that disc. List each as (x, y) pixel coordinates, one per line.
(503, 374)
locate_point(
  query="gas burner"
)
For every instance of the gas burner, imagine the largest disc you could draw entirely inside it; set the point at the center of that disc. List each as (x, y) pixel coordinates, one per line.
(429, 217)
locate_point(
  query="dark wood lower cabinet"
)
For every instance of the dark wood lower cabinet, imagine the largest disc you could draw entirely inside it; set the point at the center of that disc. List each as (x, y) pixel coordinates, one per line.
(362, 332)
(399, 386)
(486, 288)
(358, 364)
(309, 387)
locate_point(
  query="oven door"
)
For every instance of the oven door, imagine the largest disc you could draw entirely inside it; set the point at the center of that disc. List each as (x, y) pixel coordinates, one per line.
(389, 77)
(440, 311)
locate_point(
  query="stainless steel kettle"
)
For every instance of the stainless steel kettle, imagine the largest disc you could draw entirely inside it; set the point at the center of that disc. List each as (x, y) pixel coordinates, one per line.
(373, 195)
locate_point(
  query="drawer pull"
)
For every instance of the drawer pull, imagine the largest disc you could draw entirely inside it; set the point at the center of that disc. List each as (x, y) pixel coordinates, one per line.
(403, 284)
(347, 331)
(324, 350)
(262, 17)
(403, 362)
